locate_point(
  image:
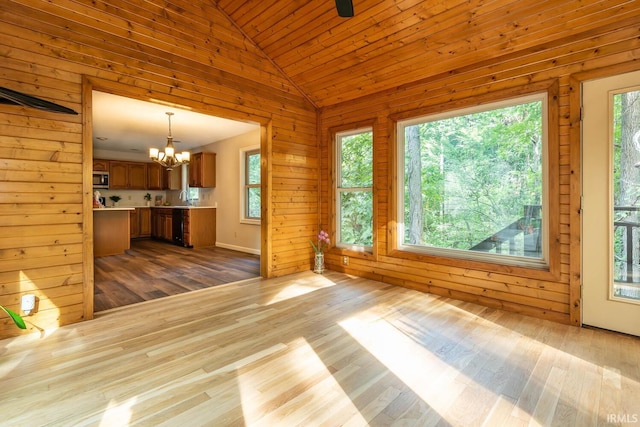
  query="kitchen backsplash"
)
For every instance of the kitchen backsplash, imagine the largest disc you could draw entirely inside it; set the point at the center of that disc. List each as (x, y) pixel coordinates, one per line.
(136, 197)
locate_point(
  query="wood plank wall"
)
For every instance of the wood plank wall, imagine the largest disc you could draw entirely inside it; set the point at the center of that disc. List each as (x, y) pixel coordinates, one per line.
(614, 49)
(187, 53)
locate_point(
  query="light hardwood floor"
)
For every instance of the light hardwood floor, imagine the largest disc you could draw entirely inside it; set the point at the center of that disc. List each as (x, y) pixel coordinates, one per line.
(310, 350)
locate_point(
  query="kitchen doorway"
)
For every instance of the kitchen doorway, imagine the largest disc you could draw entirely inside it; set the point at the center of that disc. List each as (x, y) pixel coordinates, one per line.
(225, 255)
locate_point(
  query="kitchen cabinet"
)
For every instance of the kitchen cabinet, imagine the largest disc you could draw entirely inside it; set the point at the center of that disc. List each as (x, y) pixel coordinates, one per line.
(134, 226)
(162, 224)
(200, 227)
(159, 178)
(156, 177)
(202, 170)
(111, 231)
(127, 175)
(144, 221)
(140, 222)
(100, 165)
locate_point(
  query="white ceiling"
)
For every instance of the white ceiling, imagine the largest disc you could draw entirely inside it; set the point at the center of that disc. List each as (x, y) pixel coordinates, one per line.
(130, 125)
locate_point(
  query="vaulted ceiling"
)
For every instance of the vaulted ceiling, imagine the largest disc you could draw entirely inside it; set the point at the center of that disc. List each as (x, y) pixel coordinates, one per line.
(389, 43)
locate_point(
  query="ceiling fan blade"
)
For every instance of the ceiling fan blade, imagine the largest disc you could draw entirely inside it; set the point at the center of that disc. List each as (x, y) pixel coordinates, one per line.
(345, 8)
(8, 96)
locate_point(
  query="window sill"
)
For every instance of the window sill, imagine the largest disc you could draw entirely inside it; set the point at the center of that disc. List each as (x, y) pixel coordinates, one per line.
(250, 221)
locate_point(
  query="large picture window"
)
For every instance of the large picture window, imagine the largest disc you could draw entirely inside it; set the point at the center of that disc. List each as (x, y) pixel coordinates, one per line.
(354, 196)
(472, 182)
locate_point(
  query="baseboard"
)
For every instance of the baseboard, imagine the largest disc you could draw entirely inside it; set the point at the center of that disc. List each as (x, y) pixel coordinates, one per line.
(238, 248)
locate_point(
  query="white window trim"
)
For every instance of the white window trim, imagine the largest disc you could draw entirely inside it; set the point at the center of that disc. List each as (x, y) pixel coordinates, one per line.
(243, 218)
(542, 262)
(338, 190)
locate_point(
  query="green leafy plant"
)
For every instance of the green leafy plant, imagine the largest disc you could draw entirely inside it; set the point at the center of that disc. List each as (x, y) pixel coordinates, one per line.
(17, 319)
(115, 199)
(147, 197)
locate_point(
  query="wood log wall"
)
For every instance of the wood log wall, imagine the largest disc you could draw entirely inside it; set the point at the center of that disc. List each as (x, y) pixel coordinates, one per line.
(554, 296)
(190, 55)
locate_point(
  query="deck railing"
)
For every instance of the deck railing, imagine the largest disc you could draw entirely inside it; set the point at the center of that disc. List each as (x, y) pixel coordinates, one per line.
(505, 241)
(630, 271)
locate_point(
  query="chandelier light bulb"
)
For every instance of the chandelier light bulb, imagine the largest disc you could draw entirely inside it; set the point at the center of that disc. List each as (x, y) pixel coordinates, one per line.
(168, 158)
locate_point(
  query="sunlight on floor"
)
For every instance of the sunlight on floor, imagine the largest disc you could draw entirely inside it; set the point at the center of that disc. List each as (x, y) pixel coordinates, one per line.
(430, 378)
(118, 414)
(440, 376)
(298, 365)
(300, 287)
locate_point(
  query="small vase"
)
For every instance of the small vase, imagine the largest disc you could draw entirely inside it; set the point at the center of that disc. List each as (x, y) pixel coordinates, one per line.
(318, 266)
(148, 203)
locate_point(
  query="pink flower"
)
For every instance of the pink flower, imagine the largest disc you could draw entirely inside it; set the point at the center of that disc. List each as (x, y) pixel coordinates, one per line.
(323, 241)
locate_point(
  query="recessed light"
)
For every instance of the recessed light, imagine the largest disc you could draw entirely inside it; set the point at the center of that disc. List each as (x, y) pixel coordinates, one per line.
(101, 138)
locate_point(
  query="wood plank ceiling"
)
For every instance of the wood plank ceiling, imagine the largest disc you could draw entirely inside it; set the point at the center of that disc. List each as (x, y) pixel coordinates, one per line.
(394, 42)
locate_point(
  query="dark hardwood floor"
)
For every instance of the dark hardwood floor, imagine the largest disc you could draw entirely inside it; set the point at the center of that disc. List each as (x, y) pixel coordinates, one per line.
(152, 269)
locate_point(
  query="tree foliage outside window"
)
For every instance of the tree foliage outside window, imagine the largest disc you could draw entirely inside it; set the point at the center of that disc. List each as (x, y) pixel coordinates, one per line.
(626, 188)
(354, 188)
(252, 184)
(472, 180)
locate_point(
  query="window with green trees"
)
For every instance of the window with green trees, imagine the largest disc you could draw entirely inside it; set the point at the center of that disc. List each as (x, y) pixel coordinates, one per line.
(252, 202)
(354, 196)
(472, 182)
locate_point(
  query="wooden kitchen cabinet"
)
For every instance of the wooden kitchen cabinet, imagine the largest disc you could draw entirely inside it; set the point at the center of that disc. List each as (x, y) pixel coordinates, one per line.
(100, 165)
(127, 175)
(202, 170)
(134, 225)
(140, 223)
(118, 176)
(162, 224)
(156, 177)
(200, 227)
(137, 176)
(144, 222)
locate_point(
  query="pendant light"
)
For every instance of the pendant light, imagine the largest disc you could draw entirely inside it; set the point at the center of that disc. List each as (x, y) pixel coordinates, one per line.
(169, 158)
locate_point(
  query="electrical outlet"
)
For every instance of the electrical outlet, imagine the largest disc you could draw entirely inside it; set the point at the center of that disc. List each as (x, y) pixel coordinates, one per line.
(28, 303)
(345, 260)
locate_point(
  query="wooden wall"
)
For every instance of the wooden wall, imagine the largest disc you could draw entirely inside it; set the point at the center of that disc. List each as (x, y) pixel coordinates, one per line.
(187, 53)
(552, 295)
(190, 54)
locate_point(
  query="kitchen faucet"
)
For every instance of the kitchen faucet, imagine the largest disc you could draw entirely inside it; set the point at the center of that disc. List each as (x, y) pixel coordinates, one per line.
(185, 193)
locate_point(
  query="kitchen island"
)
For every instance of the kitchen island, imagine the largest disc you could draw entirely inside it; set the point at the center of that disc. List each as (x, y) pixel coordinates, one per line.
(110, 231)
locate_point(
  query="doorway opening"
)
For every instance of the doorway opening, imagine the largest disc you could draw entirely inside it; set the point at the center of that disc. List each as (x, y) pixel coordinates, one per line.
(150, 268)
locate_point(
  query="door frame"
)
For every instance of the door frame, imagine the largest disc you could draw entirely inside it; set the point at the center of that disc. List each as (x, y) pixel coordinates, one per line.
(89, 84)
(575, 181)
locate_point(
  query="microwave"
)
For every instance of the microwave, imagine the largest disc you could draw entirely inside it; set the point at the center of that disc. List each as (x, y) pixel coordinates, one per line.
(100, 179)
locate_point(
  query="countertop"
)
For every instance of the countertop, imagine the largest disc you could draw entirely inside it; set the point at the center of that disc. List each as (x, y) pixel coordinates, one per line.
(130, 208)
(183, 207)
(110, 209)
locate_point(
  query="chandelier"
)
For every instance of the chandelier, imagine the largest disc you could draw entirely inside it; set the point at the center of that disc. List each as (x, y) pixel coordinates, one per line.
(169, 158)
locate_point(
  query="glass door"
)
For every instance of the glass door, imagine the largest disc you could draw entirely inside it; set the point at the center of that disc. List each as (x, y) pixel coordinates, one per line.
(611, 203)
